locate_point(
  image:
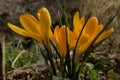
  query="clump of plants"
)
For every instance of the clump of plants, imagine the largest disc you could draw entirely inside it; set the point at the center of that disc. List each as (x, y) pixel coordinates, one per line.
(65, 49)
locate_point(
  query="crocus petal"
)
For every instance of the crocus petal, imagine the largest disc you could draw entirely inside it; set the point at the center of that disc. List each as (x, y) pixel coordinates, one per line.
(71, 36)
(62, 41)
(31, 17)
(51, 35)
(56, 31)
(71, 39)
(104, 35)
(29, 23)
(83, 39)
(45, 23)
(83, 42)
(18, 30)
(44, 17)
(23, 32)
(78, 23)
(98, 29)
(91, 26)
(81, 49)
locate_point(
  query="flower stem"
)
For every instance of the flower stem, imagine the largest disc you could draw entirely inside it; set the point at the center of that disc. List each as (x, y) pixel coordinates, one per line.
(50, 57)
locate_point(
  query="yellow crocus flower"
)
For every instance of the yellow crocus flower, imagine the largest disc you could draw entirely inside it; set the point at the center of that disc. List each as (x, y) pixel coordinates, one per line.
(36, 29)
(60, 39)
(90, 31)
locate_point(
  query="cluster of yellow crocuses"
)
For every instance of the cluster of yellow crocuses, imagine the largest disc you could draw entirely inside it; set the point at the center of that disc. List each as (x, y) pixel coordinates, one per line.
(40, 30)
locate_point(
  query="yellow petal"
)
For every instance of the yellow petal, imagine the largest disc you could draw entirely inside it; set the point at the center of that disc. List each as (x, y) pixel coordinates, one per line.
(83, 39)
(82, 49)
(104, 35)
(71, 39)
(71, 36)
(56, 31)
(23, 32)
(91, 26)
(45, 22)
(32, 17)
(78, 23)
(98, 29)
(62, 41)
(18, 30)
(72, 45)
(44, 17)
(30, 23)
(51, 34)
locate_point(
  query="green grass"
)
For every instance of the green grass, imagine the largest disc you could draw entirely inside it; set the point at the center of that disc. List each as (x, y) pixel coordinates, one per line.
(28, 57)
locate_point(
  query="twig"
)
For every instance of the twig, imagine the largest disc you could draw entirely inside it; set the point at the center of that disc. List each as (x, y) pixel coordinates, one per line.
(23, 51)
(2, 57)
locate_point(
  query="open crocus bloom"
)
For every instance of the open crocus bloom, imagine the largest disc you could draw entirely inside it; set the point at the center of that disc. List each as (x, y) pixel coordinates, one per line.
(90, 31)
(36, 29)
(60, 39)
